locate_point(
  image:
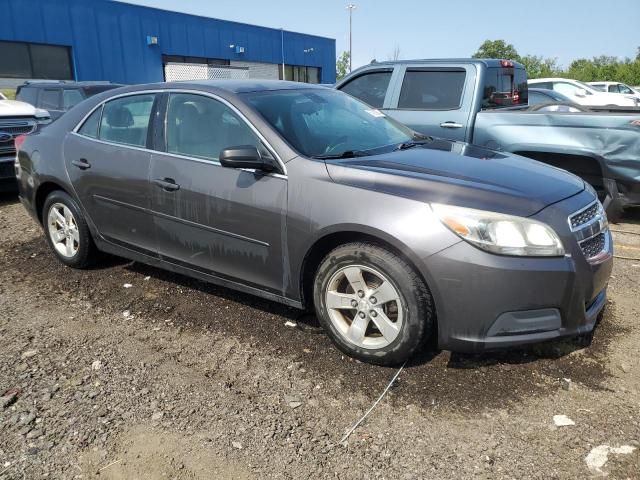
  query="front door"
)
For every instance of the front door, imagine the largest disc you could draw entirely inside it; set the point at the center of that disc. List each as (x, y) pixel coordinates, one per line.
(223, 221)
(108, 164)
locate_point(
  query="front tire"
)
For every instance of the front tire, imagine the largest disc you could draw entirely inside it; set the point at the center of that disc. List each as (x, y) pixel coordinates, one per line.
(372, 303)
(66, 231)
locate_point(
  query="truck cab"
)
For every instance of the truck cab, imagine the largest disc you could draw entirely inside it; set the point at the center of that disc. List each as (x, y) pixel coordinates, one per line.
(449, 90)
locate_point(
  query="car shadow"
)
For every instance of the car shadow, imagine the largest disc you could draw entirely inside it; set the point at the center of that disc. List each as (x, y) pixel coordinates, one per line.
(631, 215)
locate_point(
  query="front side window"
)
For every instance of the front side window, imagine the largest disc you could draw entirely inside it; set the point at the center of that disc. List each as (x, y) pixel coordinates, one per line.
(126, 120)
(324, 122)
(200, 126)
(566, 88)
(90, 126)
(371, 88)
(624, 89)
(70, 98)
(432, 89)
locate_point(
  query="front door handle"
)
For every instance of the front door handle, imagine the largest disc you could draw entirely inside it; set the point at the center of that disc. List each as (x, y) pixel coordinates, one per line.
(82, 164)
(451, 125)
(167, 184)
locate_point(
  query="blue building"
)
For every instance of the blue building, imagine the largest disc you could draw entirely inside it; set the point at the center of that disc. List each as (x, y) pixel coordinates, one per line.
(124, 43)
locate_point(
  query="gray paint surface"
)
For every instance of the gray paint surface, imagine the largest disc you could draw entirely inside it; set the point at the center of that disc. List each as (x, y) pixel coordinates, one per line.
(254, 231)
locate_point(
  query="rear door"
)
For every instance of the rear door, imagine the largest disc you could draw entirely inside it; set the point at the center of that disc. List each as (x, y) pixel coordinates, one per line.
(108, 163)
(222, 221)
(434, 100)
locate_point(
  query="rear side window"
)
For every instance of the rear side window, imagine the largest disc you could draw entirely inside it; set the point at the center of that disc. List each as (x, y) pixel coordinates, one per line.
(90, 126)
(505, 87)
(50, 99)
(28, 94)
(126, 120)
(371, 88)
(71, 98)
(432, 89)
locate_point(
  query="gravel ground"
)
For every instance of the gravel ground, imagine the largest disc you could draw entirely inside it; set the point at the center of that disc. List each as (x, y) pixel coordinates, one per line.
(174, 378)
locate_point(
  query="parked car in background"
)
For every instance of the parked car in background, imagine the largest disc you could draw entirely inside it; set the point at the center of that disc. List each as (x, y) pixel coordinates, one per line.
(485, 102)
(58, 96)
(544, 100)
(582, 93)
(16, 118)
(616, 87)
(307, 196)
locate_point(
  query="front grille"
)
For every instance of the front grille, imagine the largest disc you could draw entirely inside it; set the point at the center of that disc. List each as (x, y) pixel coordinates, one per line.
(584, 216)
(7, 149)
(17, 127)
(593, 246)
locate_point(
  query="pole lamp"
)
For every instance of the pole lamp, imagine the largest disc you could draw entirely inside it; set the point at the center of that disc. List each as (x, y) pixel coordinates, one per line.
(351, 7)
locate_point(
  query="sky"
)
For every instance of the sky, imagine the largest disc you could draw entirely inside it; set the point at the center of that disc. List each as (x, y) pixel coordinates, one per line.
(562, 29)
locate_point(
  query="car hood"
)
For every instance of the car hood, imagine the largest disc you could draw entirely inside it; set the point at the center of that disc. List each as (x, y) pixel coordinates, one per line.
(14, 108)
(456, 173)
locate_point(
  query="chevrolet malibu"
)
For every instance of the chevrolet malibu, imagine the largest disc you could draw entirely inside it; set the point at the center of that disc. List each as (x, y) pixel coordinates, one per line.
(306, 196)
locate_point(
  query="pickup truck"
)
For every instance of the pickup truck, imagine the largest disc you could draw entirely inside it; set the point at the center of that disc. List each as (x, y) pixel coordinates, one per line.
(16, 118)
(485, 102)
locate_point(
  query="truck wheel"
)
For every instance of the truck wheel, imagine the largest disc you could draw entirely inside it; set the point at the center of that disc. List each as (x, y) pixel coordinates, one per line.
(614, 208)
(373, 305)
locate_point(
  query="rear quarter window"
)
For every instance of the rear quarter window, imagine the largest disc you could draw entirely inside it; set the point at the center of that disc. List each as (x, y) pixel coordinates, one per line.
(432, 89)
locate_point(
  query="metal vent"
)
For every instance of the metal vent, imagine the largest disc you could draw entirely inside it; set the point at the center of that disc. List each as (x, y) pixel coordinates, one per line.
(584, 216)
(592, 247)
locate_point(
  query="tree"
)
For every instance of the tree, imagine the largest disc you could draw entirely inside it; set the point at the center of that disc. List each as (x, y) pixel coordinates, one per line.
(539, 67)
(497, 49)
(395, 54)
(342, 65)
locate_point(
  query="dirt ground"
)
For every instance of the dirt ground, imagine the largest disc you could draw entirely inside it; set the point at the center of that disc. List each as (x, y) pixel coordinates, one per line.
(174, 378)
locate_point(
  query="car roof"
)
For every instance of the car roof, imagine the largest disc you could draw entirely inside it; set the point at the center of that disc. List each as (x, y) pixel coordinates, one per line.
(232, 86)
(67, 83)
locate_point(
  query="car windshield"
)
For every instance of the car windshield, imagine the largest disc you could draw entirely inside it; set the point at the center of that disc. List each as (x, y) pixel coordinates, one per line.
(325, 123)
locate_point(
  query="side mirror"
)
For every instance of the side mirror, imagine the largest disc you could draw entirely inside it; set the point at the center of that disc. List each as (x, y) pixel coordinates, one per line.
(244, 156)
(581, 92)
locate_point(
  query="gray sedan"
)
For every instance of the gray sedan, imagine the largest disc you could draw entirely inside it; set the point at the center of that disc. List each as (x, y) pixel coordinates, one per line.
(306, 196)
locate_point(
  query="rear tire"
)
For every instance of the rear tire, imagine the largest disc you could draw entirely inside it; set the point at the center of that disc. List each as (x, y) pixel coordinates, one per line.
(372, 304)
(67, 232)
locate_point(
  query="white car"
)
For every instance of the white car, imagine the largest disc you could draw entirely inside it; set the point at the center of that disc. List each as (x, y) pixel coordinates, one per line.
(584, 94)
(2, 96)
(16, 118)
(616, 87)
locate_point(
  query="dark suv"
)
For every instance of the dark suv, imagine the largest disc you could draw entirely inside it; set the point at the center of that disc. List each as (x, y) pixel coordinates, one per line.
(58, 96)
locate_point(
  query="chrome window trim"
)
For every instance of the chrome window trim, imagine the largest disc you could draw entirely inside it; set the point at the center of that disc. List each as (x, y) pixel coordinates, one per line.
(186, 91)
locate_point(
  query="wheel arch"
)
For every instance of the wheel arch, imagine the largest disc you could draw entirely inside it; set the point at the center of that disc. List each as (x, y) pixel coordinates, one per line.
(329, 240)
(43, 191)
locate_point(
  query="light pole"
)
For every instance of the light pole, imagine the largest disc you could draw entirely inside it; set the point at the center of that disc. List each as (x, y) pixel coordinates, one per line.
(351, 7)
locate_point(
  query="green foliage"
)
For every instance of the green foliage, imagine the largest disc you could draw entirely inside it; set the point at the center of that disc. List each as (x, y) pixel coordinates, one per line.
(497, 49)
(602, 68)
(342, 65)
(10, 93)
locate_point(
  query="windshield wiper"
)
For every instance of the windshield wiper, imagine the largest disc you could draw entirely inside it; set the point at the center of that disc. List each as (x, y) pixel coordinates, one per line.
(413, 143)
(345, 154)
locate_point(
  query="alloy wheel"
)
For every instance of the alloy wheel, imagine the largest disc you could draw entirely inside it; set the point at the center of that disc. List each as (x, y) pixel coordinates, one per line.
(63, 230)
(364, 306)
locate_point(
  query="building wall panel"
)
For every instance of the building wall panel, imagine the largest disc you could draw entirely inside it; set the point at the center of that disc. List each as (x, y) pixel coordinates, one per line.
(108, 38)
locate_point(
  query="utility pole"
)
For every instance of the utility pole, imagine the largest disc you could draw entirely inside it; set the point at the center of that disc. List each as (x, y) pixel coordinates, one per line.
(351, 7)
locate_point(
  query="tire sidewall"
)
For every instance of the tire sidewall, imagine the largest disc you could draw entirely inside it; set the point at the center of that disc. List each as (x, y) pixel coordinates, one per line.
(416, 318)
(80, 259)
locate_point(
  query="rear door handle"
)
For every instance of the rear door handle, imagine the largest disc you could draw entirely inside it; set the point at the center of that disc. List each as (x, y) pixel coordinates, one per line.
(82, 164)
(451, 125)
(167, 184)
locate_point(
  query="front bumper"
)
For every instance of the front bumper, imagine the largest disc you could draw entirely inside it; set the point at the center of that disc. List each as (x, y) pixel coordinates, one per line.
(7, 174)
(486, 301)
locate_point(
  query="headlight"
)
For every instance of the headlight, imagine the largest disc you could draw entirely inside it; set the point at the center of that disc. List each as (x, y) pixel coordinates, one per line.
(43, 120)
(499, 233)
